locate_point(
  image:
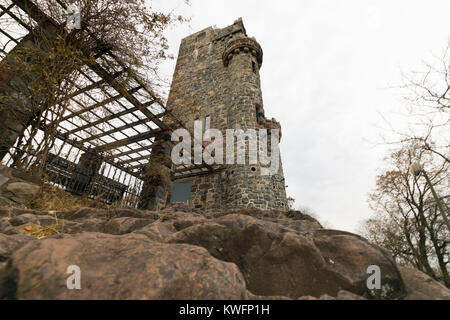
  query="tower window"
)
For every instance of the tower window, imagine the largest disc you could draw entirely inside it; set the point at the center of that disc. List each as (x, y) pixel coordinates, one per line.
(181, 192)
(254, 67)
(201, 36)
(259, 113)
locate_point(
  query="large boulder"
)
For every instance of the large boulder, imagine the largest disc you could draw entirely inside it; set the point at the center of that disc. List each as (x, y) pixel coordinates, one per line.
(351, 256)
(125, 225)
(17, 188)
(8, 245)
(280, 261)
(120, 267)
(22, 192)
(27, 218)
(9, 212)
(6, 227)
(158, 231)
(422, 287)
(182, 253)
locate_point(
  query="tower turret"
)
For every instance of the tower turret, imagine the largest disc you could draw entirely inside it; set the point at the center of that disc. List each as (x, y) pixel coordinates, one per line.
(217, 83)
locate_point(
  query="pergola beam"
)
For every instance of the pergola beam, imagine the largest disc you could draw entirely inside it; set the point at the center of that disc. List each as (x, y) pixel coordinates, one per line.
(12, 15)
(9, 36)
(101, 72)
(33, 10)
(92, 86)
(115, 130)
(74, 114)
(117, 144)
(6, 10)
(127, 153)
(112, 117)
(78, 145)
(136, 159)
(110, 77)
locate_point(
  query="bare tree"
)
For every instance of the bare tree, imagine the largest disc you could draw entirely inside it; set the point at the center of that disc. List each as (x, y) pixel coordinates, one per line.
(428, 100)
(406, 219)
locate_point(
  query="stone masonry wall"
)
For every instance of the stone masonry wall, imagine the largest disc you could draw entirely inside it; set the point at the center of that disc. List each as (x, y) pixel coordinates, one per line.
(206, 190)
(18, 106)
(15, 110)
(217, 75)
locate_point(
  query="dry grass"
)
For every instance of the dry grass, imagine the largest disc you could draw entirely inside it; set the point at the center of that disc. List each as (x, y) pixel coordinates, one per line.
(53, 198)
(40, 232)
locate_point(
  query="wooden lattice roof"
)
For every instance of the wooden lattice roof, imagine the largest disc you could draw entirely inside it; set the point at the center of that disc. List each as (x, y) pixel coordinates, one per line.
(110, 109)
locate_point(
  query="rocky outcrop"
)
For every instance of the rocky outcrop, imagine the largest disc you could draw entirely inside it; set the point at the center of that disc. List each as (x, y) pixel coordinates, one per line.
(422, 287)
(350, 256)
(17, 188)
(275, 260)
(120, 267)
(184, 253)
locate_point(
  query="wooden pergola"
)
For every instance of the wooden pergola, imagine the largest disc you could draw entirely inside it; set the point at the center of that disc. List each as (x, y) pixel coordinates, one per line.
(111, 110)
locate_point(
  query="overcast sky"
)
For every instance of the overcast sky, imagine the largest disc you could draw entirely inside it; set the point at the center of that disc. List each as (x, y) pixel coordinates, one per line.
(328, 72)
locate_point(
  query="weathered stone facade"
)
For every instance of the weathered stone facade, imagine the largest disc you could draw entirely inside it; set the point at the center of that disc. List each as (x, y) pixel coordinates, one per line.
(16, 109)
(217, 80)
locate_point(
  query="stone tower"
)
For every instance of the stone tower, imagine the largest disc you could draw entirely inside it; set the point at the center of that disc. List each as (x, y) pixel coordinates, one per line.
(217, 82)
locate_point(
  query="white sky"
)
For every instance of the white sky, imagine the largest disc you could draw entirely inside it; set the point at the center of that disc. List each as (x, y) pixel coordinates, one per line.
(327, 69)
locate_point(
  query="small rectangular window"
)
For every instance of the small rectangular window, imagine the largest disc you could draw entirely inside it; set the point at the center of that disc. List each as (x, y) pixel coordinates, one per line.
(181, 192)
(201, 36)
(254, 67)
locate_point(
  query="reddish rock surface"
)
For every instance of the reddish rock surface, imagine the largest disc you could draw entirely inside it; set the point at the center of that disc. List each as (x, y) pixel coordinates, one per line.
(184, 253)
